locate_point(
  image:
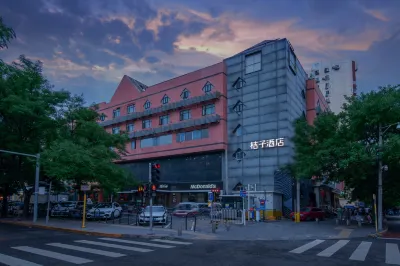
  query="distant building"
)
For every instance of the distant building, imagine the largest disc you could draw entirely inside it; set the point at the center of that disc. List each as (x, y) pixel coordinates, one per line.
(336, 80)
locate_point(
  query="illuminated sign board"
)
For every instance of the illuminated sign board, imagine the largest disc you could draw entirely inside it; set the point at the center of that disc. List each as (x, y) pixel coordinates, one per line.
(268, 143)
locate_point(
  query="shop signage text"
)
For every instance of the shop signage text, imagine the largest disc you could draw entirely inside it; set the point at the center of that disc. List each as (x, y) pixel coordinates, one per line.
(161, 186)
(268, 143)
(205, 186)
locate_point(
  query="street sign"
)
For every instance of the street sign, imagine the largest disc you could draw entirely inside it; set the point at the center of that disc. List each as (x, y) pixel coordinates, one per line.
(210, 196)
(85, 187)
(243, 193)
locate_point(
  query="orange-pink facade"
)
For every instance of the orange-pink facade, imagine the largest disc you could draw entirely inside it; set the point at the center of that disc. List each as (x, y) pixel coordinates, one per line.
(315, 101)
(207, 88)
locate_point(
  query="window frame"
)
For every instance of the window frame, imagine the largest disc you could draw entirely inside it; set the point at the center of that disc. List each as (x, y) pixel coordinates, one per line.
(147, 105)
(206, 107)
(181, 114)
(252, 64)
(161, 118)
(115, 130)
(128, 111)
(144, 123)
(207, 88)
(116, 112)
(185, 94)
(128, 127)
(133, 144)
(165, 99)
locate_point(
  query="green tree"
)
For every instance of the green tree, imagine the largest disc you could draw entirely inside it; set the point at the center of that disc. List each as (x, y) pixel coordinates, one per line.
(84, 152)
(28, 109)
(6, 34)
(344, 147)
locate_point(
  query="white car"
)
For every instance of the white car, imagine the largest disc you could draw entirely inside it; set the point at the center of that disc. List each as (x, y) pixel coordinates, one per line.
(105, 211)
(159, 215)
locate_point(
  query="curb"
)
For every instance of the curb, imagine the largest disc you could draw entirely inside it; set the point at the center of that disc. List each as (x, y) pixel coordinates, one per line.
(379, 234)
(76, 231)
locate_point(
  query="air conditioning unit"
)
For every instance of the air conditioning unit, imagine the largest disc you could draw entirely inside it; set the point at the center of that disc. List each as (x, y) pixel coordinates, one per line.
(326, 70)
(327, 77)
(327, 86)
(336, 67)
(328, 101)
(317, 80)
(316, 72)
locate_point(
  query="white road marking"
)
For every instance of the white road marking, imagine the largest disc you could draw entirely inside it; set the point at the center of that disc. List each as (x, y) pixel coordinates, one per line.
(88, 250)
(307, 246)
(392, 254)
(54, 255)
(136, 243)
(171, 242)
(113, 246)
(361, 252)
(11, 261)
(333, 249)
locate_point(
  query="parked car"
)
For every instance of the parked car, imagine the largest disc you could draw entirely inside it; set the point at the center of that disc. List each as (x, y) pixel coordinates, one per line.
(159, 214)
(310, 213)
(62, 209)
(187, 208)
(105, 211)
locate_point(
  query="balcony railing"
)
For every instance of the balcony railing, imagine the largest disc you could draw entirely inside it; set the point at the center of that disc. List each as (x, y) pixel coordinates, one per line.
(163, 108)
(210, 119)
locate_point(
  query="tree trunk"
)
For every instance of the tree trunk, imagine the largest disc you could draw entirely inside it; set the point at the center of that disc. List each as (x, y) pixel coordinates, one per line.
(4, 209)
(27, 199)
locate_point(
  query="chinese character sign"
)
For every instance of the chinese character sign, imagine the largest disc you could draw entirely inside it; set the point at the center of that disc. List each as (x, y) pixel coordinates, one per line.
(269, 143)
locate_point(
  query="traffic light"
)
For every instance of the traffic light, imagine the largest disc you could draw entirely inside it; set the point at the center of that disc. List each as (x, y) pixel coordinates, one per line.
(153, 188)
(140, 189)
(215, 190)
(155, 172)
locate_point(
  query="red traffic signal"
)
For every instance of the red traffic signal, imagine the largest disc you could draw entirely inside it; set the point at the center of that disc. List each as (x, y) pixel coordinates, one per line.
(157, 165)
(153, 187)
(215, 190)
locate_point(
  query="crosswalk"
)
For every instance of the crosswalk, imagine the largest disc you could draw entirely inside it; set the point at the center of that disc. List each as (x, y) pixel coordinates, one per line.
(357, 253)
(101, 247)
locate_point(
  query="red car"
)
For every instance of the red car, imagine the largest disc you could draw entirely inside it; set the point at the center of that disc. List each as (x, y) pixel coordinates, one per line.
(310, 213)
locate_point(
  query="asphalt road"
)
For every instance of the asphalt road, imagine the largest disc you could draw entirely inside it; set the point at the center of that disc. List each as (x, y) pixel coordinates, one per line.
(41, 247)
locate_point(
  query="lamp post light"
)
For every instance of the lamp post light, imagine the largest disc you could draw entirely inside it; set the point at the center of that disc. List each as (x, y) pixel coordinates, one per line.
(382, 131)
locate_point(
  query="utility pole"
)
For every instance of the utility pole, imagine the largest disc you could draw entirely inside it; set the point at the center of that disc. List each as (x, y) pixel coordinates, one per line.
(150, 193)
(36, 197)
(380, 192)
(297, 200)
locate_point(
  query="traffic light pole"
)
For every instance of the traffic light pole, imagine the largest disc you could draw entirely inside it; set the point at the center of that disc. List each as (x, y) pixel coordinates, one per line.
(151, 201)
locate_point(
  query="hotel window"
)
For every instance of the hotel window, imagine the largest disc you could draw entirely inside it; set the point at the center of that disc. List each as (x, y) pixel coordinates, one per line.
(157, 141)
(208, 87)
(133, 144)
(116, 112)
(239, 83)
(185, 115)
(208, 109)
(185, 94)
(238, 107)
(165, 99)
(102, 117)
(146, 123)
(253, 62)
(130, 127)
(164, 120)
(192, 135)
(131, 109)
(147, 104)
(115, 130)
(327, 93)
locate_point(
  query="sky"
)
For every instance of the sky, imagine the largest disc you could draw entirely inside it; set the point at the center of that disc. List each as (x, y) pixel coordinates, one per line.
(86, 46)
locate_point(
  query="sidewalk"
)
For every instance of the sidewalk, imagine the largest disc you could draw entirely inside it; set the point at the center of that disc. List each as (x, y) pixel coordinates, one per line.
(272, 230)
(107, 229)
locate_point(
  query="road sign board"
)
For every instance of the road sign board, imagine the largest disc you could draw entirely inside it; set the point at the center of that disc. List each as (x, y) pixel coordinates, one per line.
(243, 193)
(210, 196)
(85, 187)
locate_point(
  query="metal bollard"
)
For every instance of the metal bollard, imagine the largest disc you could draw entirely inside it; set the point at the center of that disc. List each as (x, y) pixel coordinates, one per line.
(317, 220)
(348, 222)
(337, 221)
(213, 227)
(192, 228)
(180, 230)
(359, 223)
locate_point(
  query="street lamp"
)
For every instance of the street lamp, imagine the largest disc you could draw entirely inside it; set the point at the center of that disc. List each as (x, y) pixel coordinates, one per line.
(382, 130)
(36, 198)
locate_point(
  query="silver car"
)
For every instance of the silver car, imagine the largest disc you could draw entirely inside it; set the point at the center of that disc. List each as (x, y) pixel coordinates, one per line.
(159, 215)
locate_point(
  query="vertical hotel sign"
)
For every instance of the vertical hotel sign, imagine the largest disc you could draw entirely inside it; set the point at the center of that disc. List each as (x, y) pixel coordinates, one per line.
(267, 143)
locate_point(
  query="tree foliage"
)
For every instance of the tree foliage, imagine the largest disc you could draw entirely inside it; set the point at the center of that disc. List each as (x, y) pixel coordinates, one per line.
(6, 34)
(344, 147)
(82, 152)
